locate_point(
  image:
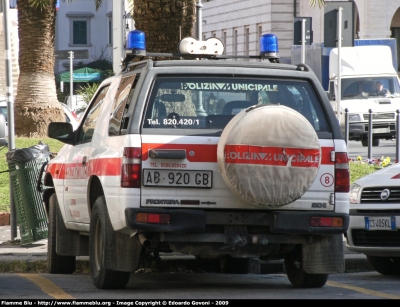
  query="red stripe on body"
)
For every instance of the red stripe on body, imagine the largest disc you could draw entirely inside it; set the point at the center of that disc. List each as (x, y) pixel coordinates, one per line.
(202, 153)
(276, 156)
(106, 167)
(208, 153)
(99, 167)
(57, 170)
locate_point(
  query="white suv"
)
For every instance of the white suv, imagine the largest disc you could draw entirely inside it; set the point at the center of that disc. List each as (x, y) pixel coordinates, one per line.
(220, 159)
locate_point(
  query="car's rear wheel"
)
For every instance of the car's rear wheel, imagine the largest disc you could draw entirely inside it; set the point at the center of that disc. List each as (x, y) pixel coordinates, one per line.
(56, 264)
(298, 277)
(100, 226)
(385, 265)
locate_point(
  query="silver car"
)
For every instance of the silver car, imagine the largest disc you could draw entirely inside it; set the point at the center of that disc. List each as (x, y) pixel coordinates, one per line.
(374, 228)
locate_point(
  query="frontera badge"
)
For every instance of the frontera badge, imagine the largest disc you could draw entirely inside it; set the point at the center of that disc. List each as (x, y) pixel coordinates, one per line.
(385, 194)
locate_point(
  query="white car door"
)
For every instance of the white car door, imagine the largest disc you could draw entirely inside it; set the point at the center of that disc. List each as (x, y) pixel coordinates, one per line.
(78, 166)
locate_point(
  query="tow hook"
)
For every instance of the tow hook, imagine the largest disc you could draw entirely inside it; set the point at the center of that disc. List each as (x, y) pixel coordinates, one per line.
(235, 236)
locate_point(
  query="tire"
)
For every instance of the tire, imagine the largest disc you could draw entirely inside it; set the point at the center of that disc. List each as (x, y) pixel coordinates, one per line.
(56, 264)
(364, 142)
(298, 277)
(375, 142)
(385, 265)
(230, 265)
(100, 227)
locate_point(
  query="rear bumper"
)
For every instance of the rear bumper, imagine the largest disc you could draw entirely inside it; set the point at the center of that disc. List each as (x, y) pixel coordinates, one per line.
(195, 221)
(360, 130)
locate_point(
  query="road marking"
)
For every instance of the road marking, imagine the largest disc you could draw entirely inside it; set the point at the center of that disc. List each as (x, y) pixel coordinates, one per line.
(363, 290)
(48, 286)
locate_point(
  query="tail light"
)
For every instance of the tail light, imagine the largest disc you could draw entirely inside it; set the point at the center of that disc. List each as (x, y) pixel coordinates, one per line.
(153, 218)
(131, 167)
(321, 221)
(342, 173)
(75, 116)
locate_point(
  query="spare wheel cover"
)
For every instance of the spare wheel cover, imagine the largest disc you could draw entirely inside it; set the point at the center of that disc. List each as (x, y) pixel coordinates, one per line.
(269, 155)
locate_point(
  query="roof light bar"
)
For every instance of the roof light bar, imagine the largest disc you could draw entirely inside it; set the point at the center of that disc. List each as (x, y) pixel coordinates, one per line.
(211, 46)
(191, 48)
(136, 43)
(269, 46)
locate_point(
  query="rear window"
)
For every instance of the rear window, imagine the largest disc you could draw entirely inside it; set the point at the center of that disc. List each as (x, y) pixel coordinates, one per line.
(211, 102)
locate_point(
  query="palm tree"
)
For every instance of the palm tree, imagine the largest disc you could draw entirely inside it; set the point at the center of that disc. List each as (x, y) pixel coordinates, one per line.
(36, 103)
(175, 18)
(321, 3)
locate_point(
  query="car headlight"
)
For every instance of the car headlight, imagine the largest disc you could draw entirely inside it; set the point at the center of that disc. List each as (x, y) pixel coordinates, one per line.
(354, 117)
(355, 190)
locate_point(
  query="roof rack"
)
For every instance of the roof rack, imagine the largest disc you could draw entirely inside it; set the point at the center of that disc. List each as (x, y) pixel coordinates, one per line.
(190, 48)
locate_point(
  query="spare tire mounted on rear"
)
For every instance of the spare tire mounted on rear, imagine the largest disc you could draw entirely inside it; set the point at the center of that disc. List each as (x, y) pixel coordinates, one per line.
(269, 155)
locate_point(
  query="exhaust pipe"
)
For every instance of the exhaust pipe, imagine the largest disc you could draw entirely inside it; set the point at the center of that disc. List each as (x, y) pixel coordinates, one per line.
(143, 240)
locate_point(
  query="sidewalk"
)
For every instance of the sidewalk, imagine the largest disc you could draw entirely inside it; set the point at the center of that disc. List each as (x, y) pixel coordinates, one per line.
(35, 255)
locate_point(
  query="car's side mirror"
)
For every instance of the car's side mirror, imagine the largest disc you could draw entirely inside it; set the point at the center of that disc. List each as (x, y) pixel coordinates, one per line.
(62, 132)
(3, 132)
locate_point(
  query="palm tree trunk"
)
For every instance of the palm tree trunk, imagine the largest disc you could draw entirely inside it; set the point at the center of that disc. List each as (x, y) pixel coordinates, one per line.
(164, 21)
(36, 103)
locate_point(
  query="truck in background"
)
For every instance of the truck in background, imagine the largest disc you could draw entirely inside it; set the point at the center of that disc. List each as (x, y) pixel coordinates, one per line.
(365, 64)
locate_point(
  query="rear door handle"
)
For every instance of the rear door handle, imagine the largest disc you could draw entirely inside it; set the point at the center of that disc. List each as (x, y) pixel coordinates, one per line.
(167, 153)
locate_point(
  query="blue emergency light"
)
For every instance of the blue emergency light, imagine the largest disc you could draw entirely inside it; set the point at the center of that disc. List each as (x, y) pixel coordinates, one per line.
(269, 46)
(136, 42)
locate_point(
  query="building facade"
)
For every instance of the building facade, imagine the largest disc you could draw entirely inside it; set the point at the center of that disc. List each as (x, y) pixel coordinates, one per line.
(240, 23)
(91, 34)
(83, 30)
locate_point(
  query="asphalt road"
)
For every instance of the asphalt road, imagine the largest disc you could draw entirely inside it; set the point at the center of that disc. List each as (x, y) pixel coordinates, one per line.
(386, 148)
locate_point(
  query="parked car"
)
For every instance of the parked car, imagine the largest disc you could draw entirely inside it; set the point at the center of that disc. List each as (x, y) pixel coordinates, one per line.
(3, 108)
(3, 135)
(76, 103)
(70, 116)
(374, 228)
(80, 111)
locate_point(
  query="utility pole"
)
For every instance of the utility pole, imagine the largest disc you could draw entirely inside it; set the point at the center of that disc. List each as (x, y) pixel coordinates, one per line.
(199, 17)
(10, 107)
(71, 78)
(303, 41)
(339, 76)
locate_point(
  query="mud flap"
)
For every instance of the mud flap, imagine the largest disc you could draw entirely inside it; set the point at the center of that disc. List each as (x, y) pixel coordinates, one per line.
(324, 256)
(70, 243)
(122, 252)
